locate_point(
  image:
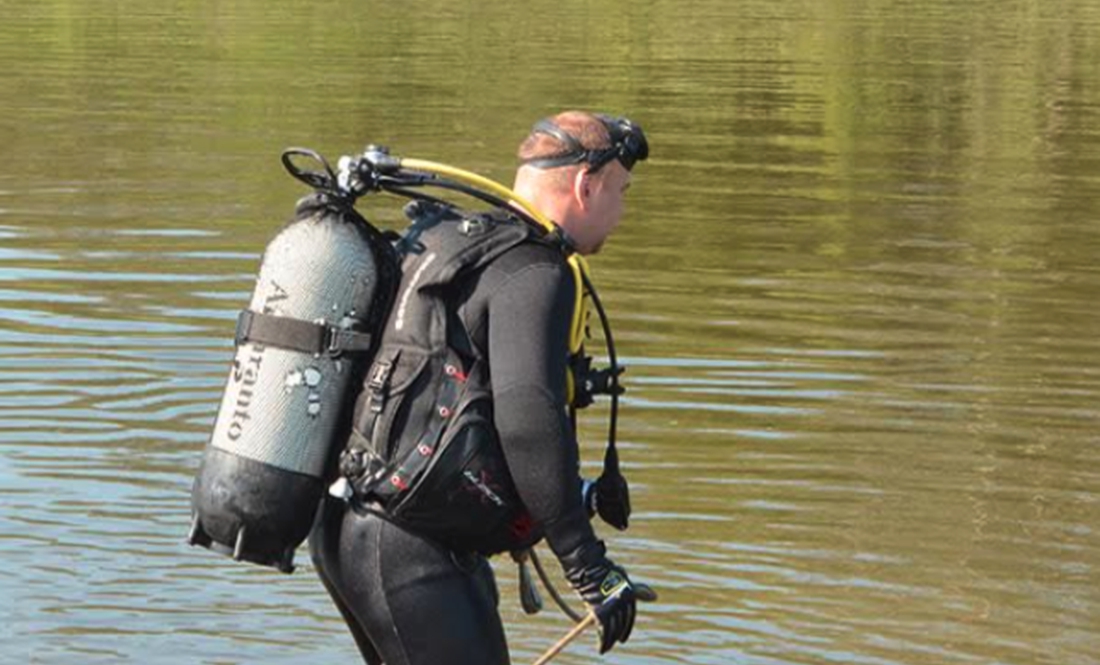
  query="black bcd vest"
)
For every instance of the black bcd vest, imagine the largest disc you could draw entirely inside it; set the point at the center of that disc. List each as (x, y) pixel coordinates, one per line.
(423, 447)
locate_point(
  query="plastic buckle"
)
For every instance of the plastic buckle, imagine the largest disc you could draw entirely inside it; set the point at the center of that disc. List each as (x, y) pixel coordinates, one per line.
(333, 340)
(342, 340)
(379, 378)
(380, 375)
(244, 326)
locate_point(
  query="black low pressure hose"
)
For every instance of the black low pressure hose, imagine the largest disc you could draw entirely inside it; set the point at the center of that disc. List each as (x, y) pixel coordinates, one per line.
(611, 455)
(436, 181)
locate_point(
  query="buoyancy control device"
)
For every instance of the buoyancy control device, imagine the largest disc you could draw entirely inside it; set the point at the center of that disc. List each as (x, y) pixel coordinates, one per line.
(327, 284)
(423, 448)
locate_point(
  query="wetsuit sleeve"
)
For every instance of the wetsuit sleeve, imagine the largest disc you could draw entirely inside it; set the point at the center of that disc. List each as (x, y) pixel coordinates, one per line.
(529, 321)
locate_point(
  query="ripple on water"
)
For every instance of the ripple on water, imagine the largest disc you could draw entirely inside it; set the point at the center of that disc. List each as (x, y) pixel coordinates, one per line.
(855, 291)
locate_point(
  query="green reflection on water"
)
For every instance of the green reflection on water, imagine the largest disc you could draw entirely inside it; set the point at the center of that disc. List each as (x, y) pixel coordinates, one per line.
(857, 283)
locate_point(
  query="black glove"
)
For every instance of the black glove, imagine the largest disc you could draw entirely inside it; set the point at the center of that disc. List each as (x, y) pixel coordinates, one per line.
(606, 588)
(609, 496)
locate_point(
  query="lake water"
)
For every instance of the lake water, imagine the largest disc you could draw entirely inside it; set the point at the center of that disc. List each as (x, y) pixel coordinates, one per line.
(856, 290)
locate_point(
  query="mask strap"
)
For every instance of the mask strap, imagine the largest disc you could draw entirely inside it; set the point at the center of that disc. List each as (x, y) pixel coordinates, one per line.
(575, 153)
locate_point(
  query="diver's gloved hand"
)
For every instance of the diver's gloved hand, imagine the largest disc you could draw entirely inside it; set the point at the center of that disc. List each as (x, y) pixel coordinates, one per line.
(608, 495)
(606, 588)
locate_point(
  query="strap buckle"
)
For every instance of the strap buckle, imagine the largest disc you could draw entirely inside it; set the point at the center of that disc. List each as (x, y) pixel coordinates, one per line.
(339, 341)
(244, 327)
(376, 384)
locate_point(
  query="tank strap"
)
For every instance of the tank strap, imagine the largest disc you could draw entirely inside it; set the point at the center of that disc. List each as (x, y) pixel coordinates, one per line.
(296, 335)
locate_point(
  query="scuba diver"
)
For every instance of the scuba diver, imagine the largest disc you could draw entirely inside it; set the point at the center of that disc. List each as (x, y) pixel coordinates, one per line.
(479, 358)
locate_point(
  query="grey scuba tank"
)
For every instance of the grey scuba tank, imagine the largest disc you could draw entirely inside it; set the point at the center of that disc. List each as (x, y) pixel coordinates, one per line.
(301, 347)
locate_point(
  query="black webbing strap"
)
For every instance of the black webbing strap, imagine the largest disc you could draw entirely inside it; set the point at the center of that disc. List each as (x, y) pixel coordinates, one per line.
(296, 335)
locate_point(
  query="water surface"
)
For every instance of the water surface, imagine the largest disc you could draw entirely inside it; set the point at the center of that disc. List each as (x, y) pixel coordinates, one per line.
(855, 289)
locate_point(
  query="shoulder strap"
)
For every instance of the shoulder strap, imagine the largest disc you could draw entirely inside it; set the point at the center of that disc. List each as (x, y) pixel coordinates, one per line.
(441, 245)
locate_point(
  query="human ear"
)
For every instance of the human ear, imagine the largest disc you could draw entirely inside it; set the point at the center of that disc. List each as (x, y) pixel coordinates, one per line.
(582, 188)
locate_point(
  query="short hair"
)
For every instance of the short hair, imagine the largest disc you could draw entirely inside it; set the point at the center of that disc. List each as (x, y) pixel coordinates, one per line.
(586, 127)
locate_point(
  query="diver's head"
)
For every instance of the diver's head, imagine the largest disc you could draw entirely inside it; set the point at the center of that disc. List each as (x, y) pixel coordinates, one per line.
(575, 168)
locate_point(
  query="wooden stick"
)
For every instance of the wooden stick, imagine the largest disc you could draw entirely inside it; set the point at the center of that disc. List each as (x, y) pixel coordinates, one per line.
(569, 637)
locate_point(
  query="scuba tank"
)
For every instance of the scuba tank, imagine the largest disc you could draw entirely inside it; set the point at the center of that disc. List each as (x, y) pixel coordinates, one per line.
(324, 285)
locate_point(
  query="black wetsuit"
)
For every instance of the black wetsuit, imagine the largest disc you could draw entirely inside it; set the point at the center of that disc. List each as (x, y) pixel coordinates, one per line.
(409, 601)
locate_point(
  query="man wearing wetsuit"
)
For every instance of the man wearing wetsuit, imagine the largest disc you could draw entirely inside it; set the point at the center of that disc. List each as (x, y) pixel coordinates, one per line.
(410, 601)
